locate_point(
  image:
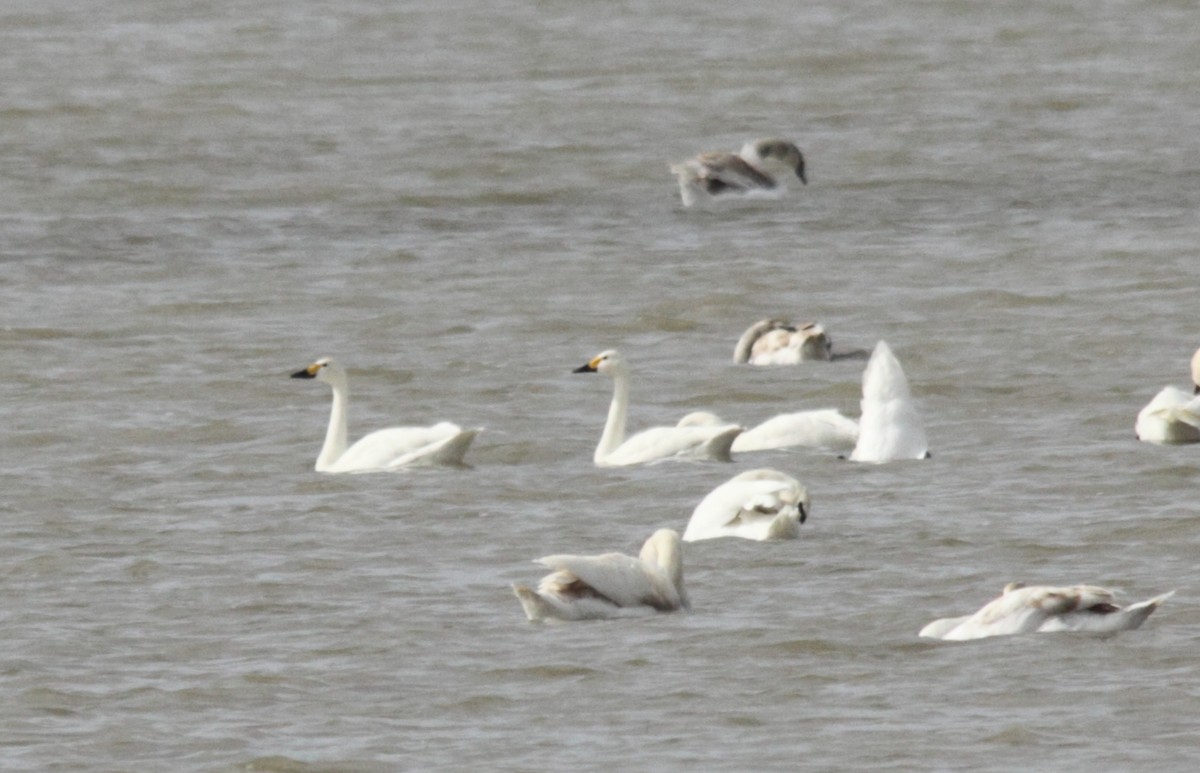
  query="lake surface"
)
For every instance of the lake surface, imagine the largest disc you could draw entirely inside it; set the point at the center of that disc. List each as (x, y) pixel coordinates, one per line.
(465, 201)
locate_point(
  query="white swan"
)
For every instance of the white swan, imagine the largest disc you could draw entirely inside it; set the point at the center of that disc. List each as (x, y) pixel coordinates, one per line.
(655, 444)
(1045, 609)
(821, 428)
(889, 427)
(1173, 416)
(778, 342)
(385, 449)
(756, 167)
(757, 504)
(609, 585)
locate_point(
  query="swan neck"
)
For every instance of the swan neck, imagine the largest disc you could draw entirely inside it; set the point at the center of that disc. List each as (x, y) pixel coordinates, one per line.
(614, 427)
(335, 434)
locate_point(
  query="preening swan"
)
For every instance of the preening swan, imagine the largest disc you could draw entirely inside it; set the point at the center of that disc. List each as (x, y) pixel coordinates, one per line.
(655, 444)
(821, 428)
(609, 585)
(385, 449)
(889, 428)
(757, 504)
(778, 342)
(1045, 609)
(1173, 416)
(758, 166)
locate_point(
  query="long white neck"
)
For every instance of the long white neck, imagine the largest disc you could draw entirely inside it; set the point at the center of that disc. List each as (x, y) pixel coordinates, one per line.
(614, 427)
(335, 434)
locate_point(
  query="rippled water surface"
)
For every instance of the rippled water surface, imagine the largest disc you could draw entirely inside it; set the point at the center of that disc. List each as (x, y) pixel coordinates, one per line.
(463, 202)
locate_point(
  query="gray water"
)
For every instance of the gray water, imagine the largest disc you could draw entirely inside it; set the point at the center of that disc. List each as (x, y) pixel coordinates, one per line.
(463, 202)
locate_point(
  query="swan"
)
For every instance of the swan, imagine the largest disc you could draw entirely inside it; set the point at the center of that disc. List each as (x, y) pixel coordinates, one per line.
(758, 504)
(1045, 609)
(1173, 416)
(385, 449)
(889, 427)
(821, 428)
(655, 444)
(756, 167)
(609, 585)
(778, 342)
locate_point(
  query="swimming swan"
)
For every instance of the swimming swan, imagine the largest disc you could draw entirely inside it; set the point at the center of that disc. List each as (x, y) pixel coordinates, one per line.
(778, 342)
(1045, 609)
(821, 428)
(655, 444)
(758, 166)
(757, 504)
(385, 449)
(609, 585)
(1173, 416)
(889, 427)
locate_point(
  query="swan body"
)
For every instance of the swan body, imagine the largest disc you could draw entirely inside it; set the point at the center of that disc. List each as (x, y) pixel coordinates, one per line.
(890, 427)
(385, 449)
(609, 585)
(1045, 609)
(758, 504)
(821, 428)
(655, 444)
(758, 166)
(778, 342)
(1173, 416)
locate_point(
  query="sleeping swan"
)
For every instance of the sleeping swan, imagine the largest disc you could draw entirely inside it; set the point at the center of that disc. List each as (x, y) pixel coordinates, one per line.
(1173, 416)
(889, 427)
(758, 166)
(758, 504)
(609, 585)
(655, 444)
(385, 449)
(1045, 609)
(778, 342)
(821, 428)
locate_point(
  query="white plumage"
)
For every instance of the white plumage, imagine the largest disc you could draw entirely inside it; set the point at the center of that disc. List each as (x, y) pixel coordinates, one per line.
(890, 427)
(1173, 416)
(759, 504)
(820, 428)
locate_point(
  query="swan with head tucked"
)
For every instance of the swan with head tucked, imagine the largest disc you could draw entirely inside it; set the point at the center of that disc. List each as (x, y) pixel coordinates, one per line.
(1173, 416)
(1045, 609)
(821, 428)
(759, 166)
(890, 427)
(657, 443)
(758, 504)
(385, 449)
(778, 342)
(609, 585)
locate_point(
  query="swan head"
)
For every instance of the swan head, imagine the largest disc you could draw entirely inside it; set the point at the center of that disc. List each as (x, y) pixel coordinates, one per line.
(784, 152)
(609, 362)
(325, 369)
(816, 342)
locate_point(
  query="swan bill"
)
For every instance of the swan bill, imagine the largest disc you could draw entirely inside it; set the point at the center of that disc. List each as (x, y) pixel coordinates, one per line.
(588, 368)
(305, 373)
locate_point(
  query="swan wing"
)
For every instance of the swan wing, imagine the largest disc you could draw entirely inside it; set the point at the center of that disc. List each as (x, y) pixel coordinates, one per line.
(746, 508)
(1173, 416)
(383, 448)
(729, 170)
(1105, 617)
(824, 428)
(662, 443)
(623, 580)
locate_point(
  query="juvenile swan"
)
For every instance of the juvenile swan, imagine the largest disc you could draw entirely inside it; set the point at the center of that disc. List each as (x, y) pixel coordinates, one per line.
(1173, 416)
(1045, 609)
(756, 167)
(609, 585)
(889, 427)
(757, 504)
(820, 428)
(385, 449)
(655, 444)
(778, 342)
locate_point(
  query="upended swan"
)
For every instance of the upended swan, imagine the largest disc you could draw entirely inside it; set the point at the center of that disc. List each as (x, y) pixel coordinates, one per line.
(1045, 609)
(1173, 416)
(385, 449)
(820, 428)
(609, 585)
(779, 342)
(655, 444)
(759, 504)
(758, 166)
(890, 427)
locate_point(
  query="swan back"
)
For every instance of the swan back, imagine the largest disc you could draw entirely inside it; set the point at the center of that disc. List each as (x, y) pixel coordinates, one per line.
(778, 342)
(890, 427)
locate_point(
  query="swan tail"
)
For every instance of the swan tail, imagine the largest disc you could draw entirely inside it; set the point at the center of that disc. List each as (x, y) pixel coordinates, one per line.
(720, 446)
(1143, 609)
(536, 608)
